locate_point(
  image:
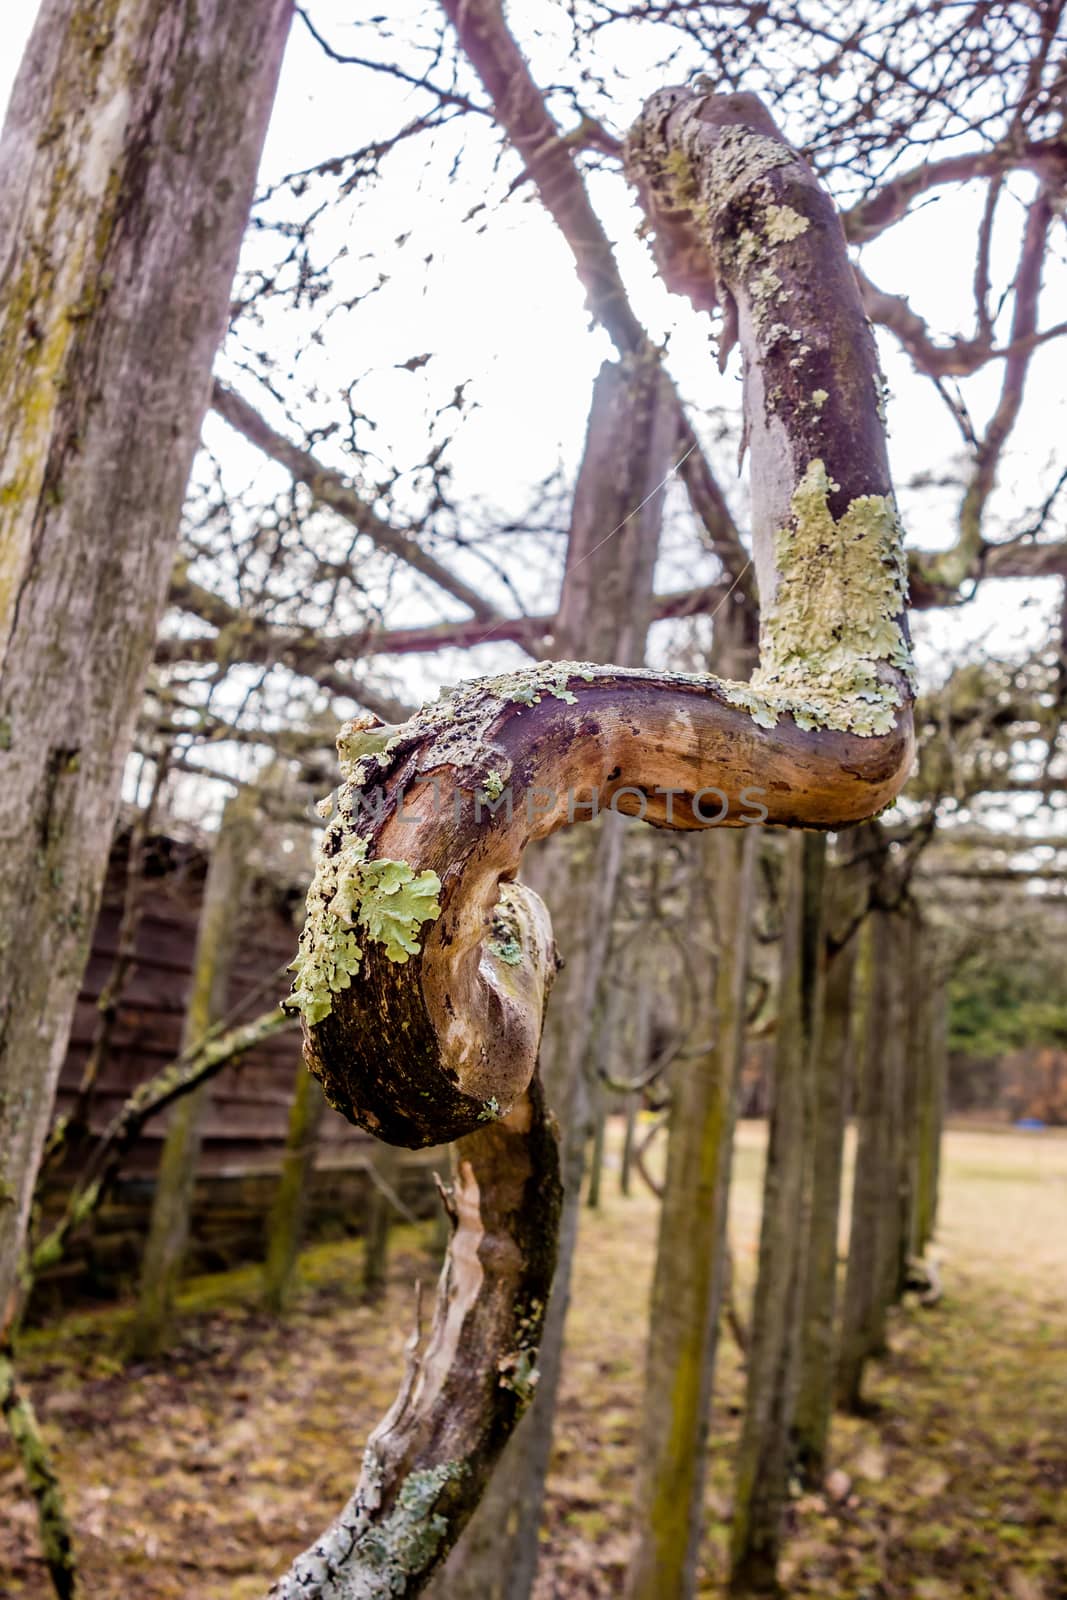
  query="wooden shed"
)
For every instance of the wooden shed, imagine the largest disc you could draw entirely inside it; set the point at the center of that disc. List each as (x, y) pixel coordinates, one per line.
(245, 1123)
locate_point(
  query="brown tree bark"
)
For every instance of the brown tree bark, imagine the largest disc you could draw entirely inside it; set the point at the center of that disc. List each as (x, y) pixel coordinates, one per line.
(126, 172)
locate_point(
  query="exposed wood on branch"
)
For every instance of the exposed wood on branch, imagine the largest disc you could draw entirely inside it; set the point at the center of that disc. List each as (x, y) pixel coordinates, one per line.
(427, 1463)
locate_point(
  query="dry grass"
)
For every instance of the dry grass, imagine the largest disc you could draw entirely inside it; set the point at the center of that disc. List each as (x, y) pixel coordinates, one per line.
(199, 1477)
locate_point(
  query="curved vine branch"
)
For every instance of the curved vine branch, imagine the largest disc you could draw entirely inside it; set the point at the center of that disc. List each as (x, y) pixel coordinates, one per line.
(423, 965)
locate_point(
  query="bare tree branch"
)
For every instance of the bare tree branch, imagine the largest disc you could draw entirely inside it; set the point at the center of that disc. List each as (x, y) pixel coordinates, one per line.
(330, 489)
(887, 205)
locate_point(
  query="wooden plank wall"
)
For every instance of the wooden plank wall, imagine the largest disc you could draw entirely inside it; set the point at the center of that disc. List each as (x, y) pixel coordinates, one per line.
(245, 1122)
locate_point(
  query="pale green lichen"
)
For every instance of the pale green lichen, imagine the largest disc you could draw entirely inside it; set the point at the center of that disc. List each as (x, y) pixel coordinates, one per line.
(404, 1544)
(507, 950)
(518, 1369)
(362, 742)
(783, 224)
(493, 784)
(519, 1373)
(361, 738)
(506, 943)
(819, 398)
(529, 693)
(490, 1109)
(350, 899)
(739, 157)
(835, 622)
(764, 284)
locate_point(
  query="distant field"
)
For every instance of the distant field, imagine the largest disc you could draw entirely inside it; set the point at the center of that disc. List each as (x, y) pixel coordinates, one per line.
(200, 1478)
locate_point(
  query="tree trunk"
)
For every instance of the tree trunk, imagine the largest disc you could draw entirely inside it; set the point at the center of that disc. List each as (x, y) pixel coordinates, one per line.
(611, 553)
(914, 1006)
(596, 1154)
(765, 1455)
(861, 1315)
(285, 1229)
(691, 1272)
(126, 173)
(686, 1292)
(216, 936)
(609, 1050)
(382, 1201)
(836, 1044)
(894, 1024)
(931, 1095)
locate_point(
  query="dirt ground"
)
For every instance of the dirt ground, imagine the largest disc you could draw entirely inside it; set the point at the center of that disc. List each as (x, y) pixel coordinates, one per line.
(201, 1476)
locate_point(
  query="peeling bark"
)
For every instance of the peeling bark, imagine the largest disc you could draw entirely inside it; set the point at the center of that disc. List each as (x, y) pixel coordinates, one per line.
(427, 1463)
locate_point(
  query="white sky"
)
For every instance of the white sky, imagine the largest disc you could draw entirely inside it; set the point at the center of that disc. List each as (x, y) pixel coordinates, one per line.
(503, 307)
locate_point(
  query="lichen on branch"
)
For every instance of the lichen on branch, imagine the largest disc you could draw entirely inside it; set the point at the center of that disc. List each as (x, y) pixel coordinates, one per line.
(352, 898)
(835, 621)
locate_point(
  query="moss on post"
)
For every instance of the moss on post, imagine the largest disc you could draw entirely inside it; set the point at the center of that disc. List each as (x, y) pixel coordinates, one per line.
(56, 1543)
(216, 937)
(286, 1223)
(690, 1250)
(765, 1454)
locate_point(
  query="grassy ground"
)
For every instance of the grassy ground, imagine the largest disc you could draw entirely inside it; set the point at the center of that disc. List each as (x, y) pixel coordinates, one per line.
(201, 1476)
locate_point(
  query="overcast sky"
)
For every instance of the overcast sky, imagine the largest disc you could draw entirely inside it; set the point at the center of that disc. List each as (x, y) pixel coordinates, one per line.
(504, 302)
